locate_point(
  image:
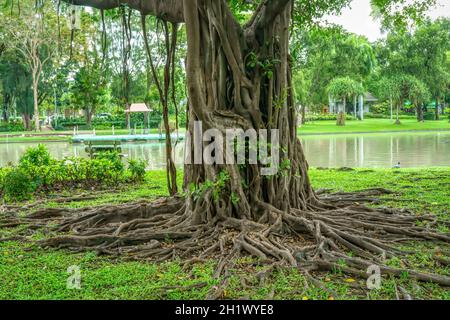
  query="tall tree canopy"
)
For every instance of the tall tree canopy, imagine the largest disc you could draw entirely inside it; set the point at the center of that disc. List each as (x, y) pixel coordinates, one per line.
(31, 39)
(325, 53)
(420, 53)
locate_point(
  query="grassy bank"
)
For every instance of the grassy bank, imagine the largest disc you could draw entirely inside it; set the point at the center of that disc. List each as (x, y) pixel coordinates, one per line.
(28, 136)
(372, 125)
(33, 138)
(316, 127)
(29, 272)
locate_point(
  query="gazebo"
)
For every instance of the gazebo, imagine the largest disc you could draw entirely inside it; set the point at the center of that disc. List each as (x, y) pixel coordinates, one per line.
(140, 108)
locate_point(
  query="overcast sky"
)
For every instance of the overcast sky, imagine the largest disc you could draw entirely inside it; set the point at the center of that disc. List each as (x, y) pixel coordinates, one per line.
(357, 18)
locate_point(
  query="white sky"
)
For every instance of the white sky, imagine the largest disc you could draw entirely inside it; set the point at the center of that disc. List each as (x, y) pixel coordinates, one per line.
(357, 19)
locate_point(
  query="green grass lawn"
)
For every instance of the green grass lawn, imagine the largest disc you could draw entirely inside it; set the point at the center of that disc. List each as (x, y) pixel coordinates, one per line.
(372, 125)
(29, 272)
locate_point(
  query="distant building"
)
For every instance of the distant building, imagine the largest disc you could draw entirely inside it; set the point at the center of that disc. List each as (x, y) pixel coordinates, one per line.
(357, 107)
(369, 101)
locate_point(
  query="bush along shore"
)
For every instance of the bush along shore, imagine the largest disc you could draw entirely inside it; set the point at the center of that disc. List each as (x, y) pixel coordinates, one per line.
(38, 172)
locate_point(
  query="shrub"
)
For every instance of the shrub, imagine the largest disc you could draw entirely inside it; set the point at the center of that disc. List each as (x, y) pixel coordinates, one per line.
(36, 162)
(429, 116)
(137, 169)
(38, 156)
(12, 126)
(327, 117)
(370, 115)
(382, 108)
(114, 159)
(3, 173)
(172, 125)
(38, 171)
(17, 185)
(104, 170)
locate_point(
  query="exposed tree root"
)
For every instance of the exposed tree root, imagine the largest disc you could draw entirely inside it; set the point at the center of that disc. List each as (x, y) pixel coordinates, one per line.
(58, 199)
(345, 198)
(318, 240)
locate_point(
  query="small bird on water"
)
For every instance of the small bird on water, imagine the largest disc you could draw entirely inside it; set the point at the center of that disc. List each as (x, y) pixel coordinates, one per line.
(397, 166)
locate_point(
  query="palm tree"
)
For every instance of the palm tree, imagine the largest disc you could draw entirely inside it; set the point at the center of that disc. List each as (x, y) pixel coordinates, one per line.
(342, 89)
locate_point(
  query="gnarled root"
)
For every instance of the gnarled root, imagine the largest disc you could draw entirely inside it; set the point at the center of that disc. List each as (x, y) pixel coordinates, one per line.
(310, 240)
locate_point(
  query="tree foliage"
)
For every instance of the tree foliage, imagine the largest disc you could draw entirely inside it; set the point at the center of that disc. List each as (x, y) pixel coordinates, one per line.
(344, 88)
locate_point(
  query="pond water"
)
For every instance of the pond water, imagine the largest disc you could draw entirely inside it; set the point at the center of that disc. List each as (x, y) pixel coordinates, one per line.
(355, 150)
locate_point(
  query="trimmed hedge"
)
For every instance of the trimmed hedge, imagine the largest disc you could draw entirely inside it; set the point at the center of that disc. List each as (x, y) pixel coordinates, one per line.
(327, 117)
(370, 115)
(13, 126)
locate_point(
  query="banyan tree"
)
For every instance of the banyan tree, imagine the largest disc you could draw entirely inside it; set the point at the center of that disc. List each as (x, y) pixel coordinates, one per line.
(239, 76)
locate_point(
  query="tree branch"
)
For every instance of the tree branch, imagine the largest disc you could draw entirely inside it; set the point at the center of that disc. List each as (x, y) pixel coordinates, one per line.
(169, 10)
(264, 15)
(273, 9)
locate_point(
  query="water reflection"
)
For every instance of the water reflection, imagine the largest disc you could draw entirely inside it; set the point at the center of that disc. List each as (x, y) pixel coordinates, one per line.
(378, 150)
(365, 151)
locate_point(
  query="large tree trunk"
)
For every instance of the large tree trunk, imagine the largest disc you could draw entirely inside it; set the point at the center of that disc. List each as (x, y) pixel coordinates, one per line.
(419, 109)
(392, 109)
(127, 118)
(340, 120)
(6, 104)
(88, 116)
(437, 108)
(26, 121)
(303, 114)
(224, 93)
(397, 119)
(37, 126)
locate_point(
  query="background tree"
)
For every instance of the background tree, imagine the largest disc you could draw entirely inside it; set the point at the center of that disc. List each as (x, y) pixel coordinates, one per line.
(89, 88)
(408, 87)
(432, 41)
(325, 53)
(419, 95)
(385, 89)
(342, 89)
(302, 87)
(32, 39)
(419, 52)
(16, 88)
